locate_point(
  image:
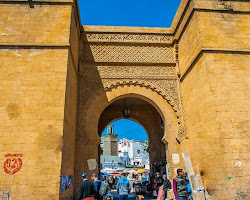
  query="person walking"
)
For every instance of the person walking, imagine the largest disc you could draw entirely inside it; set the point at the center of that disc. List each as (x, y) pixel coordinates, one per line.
(189, 190)
(155, 186)
(159, 181)
(166, 186)
(111, 182)
(179, 186)
(86, 189)
(97, 185)
(123, 187)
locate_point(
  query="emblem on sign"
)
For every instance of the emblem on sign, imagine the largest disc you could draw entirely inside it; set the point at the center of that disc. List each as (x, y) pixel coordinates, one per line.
(13, 163)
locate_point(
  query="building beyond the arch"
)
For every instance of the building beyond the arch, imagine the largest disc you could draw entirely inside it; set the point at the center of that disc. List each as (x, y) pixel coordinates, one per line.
(57, 79)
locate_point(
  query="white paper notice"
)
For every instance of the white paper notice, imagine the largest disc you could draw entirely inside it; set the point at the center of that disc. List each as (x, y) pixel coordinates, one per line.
(175, 158)
(92, 164)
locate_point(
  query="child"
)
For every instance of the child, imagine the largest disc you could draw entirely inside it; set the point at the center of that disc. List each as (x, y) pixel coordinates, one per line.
(109, 197)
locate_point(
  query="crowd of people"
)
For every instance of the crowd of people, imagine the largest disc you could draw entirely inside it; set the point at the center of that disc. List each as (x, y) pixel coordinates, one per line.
(98, 189)
(101, 189)
(181, 186)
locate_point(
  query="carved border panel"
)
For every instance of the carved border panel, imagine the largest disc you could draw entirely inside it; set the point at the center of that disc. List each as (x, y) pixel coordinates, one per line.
(130, 72)
(128, 37)
(127, 53)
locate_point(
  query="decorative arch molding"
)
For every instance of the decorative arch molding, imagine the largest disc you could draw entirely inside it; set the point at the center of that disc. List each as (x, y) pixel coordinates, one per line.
(158, 88)
(167, 89)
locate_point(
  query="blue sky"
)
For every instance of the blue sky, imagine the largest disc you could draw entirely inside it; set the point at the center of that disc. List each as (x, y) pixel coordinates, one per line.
(149, 13)
(128, 129)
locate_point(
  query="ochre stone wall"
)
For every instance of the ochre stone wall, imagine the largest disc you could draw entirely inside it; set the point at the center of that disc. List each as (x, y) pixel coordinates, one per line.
(68, 155)
(224, 31)
(45, 24)
(34, 66)
(189, 45)
(32, 110)
(215, 81)
(202, 129)
(229, 82)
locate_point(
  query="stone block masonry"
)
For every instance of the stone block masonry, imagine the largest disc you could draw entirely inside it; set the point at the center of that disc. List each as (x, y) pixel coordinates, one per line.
(45, 104)
(37, 114)
(215, 85)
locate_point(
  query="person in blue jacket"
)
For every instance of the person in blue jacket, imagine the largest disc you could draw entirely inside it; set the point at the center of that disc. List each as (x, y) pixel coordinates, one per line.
(97, 185)
(123, 187)
(189, 190)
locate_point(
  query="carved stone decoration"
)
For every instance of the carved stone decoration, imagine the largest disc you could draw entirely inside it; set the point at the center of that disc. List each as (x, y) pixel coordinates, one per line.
(132, 71)
(128, 53)
(113, 60)
(168, 89)
(128, 37)
(225, 5)
(182, 131)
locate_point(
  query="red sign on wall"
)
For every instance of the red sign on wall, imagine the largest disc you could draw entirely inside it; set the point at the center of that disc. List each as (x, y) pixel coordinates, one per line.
(13, 163)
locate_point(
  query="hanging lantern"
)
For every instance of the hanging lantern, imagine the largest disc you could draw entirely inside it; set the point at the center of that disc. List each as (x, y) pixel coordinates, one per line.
(126, 112)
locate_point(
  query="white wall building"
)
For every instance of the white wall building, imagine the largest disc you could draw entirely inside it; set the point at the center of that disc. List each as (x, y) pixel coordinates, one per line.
(136, 152)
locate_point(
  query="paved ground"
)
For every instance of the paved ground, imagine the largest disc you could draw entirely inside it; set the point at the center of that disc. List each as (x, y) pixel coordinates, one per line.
(130, 197)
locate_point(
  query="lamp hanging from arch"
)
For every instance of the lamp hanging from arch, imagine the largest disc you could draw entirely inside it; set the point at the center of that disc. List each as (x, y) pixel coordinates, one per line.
(126, 112)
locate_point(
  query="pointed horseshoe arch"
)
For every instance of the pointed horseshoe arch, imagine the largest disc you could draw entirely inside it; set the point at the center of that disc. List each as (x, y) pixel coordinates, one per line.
(103, 98)
(88, 138)
(172, 101)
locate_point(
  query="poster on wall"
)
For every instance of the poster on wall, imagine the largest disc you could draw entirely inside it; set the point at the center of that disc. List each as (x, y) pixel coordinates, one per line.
(92, 164)
(69, 182)
(64, 182)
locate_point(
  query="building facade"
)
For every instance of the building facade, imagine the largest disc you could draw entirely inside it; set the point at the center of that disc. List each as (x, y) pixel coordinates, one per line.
(62, 83)
(109, 158)
(134, 152)
(111, 162)
(110, 142)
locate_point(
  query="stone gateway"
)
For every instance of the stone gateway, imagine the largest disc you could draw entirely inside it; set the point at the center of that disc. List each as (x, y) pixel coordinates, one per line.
(63, 83)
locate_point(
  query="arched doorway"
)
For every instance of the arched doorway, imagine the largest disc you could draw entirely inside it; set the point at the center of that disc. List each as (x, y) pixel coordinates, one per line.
(147, 107)
(125, 141)
(143, 113)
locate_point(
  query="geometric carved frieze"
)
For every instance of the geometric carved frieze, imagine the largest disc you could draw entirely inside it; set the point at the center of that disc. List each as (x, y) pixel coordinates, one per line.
(128, 37)
(122, 72)
(127, 53)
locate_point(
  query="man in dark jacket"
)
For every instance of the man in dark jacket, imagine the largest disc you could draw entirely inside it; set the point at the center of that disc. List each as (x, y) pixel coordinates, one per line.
(97, 184)
(179, 186)
(166, 186)
(86, 189)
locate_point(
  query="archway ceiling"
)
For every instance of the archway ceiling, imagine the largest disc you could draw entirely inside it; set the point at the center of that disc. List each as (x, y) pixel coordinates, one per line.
(141, 111)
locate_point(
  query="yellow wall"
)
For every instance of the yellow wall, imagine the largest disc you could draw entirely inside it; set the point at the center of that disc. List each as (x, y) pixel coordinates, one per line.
(202, 128)
(229, 84)
(33, 62)
(214, 59)
(68, 156)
